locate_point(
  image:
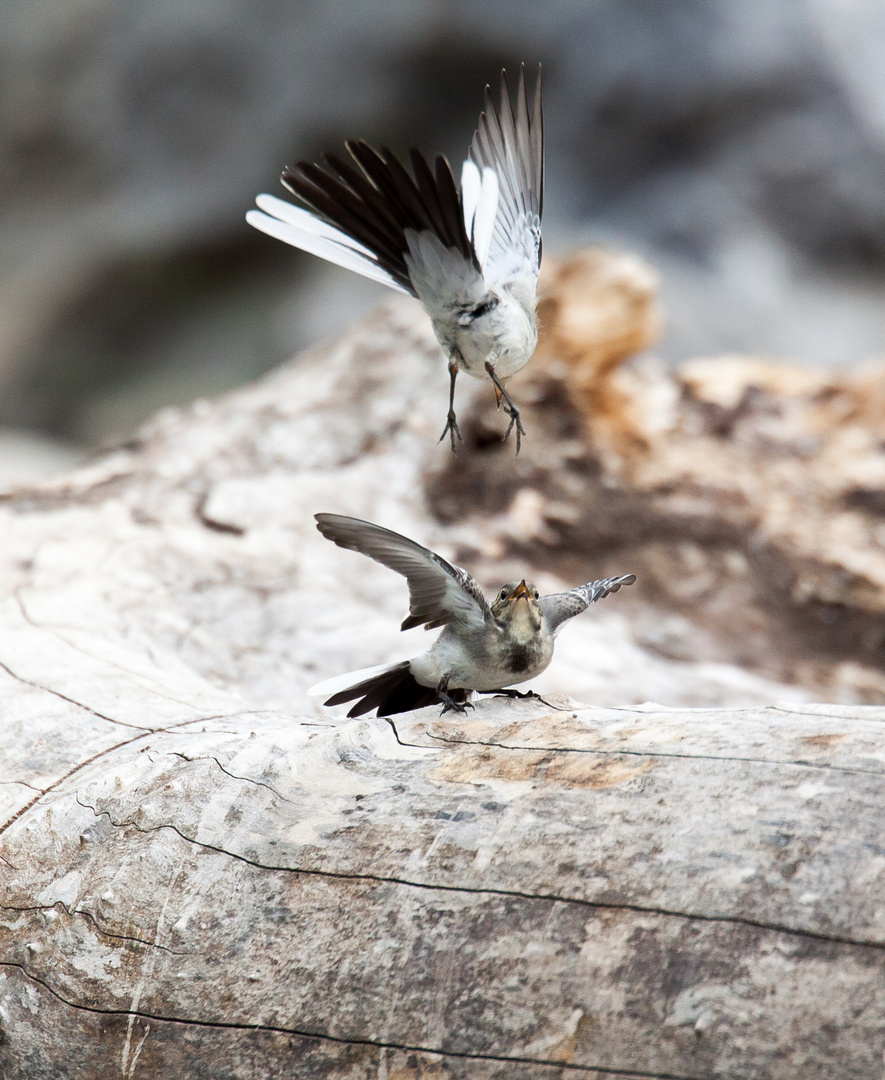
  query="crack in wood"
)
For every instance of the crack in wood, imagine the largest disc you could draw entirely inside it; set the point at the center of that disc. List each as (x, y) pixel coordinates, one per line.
(345, 1040)
(145, 733)
(650, 754)
(55, 632)
(825, 716)
(661, 710)
(70, 701)
(549, 898)
(233, 776)
(91, 918)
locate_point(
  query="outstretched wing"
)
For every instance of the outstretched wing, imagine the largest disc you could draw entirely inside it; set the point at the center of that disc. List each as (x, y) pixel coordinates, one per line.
(502, 185)
(439, 592)
(558, 608)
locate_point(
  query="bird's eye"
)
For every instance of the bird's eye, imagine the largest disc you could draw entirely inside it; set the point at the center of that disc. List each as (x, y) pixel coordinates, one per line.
(502, 595)
(536, 594)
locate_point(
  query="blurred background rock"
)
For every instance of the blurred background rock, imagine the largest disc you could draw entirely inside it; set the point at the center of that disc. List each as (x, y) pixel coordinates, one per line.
(739, 147)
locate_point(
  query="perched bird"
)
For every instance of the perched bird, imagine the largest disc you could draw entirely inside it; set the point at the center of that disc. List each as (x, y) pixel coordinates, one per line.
(484, 647)
(471, 256)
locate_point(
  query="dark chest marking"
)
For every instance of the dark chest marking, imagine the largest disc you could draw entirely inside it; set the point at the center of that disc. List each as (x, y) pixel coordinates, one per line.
(522, 657)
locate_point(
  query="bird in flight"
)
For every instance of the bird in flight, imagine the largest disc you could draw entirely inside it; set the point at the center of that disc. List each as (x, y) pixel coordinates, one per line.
(484, 646)
(470, 255)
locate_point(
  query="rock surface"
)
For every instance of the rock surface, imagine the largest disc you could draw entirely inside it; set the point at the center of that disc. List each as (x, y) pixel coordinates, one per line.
(206, 874)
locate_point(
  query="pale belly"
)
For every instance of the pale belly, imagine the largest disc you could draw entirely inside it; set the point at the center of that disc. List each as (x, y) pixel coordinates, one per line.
(506, 340)
(466, 674)
(506, 364)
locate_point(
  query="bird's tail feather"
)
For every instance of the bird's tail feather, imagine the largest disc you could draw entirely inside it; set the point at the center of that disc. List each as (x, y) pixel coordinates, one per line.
(294, 225)
(392, 690)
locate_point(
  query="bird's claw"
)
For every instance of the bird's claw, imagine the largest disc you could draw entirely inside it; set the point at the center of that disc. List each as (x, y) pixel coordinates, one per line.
(450, 705)
(504, 402)
(516, 422)
(451, 429)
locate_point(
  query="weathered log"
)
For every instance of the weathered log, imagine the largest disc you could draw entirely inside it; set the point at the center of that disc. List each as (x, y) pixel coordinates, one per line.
(655, 893)
(206, 875)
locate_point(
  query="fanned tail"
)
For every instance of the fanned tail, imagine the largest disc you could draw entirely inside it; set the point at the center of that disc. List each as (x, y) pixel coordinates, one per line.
(394, 690)
(373, 206)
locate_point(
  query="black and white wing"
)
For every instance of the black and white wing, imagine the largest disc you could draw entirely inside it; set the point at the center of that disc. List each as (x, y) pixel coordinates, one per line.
(439, 592)
(502, 186)
(558, 608)
(358, 217)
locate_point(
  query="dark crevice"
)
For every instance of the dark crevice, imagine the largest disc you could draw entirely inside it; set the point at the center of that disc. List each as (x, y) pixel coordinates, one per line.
(233, 776)
(549, 898)
(344, 1040)
(652, 754)
(145, 734)
(211, 523)
(49, 629)
(91, 918)
(632, 753)
(827, 716)
(70, 701)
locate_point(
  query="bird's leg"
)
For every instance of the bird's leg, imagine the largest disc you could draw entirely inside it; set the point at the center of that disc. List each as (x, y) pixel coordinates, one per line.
(509, 408)
(449, 703)
(451, 429)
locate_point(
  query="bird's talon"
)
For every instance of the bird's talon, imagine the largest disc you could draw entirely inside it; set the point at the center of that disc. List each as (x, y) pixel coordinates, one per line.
(517, 423)
(451, 429)
(450, 705)
(504, 402)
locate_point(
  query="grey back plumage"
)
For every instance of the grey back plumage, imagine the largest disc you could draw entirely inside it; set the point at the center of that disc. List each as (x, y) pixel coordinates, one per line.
(558, 608)
(439, 593)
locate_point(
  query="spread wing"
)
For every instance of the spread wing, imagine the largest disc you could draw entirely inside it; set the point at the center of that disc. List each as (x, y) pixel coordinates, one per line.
(558, 608)
(439, 592)
(502, 184)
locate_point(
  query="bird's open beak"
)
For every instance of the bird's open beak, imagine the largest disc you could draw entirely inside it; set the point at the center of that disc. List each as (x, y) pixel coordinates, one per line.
(521, 590)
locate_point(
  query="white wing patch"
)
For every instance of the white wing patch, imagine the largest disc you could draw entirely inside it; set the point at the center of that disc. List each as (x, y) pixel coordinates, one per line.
(480, 193)
(304, 230)
(510, 148)
(471, 184)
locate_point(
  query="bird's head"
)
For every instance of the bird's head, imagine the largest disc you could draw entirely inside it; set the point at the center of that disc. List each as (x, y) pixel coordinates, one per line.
(516, 606)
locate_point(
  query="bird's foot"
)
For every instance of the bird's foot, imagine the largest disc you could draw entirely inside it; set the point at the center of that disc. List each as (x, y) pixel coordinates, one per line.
(505, 402)
(515, 421)
(451, 429)
(450, 705)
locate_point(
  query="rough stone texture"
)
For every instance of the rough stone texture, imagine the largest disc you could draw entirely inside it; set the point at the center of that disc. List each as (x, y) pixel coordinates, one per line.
(204, 874)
